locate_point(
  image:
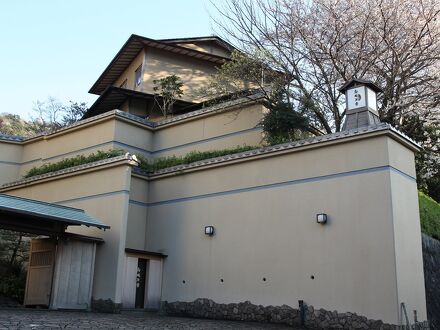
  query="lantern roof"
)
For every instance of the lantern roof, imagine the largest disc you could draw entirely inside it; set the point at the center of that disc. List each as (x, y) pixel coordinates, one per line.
(360, 82)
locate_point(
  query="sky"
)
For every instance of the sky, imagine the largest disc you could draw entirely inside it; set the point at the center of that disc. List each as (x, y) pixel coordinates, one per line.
(59, 48)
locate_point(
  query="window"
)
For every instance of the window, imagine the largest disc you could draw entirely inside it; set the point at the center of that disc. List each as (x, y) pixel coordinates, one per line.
(137, 76)
(124, 84)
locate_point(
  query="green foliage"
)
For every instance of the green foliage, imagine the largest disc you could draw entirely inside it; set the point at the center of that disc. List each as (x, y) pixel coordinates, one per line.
(433, 186)
(427, 133)
(73, 112)
(167, 90)
(429, 215)
(14, 253)
(145, 164)
(156, 164)
(71, 162)
(283, 124)
(242, 72)
(13, 125)
(13, 286)
(50, 116)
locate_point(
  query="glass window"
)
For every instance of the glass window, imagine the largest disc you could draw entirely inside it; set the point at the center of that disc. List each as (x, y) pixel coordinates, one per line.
(137, 76)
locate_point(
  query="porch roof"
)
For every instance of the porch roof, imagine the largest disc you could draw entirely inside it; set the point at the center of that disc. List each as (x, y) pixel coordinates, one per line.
(29, 215)
(113, 97)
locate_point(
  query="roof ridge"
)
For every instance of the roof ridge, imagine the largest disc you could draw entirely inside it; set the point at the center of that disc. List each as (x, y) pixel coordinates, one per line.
(201, 38)
(9, 137)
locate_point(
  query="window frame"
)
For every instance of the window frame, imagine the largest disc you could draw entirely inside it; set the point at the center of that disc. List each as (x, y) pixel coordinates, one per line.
(138, 79)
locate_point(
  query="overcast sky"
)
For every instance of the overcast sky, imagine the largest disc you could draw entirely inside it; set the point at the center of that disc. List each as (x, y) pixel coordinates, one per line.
(59, 48)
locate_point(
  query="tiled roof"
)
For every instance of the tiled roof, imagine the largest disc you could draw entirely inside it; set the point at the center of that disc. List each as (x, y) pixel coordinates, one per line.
(34, 208)
(16, 138)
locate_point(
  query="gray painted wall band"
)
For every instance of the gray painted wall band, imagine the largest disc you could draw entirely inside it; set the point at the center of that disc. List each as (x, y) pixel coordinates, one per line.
(118, 192)
(9, 163)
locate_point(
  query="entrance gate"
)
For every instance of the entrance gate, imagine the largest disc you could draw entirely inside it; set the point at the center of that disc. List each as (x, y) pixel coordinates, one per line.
(40, 272)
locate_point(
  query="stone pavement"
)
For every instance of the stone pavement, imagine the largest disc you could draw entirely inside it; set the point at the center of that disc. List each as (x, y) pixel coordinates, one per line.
(44, 319)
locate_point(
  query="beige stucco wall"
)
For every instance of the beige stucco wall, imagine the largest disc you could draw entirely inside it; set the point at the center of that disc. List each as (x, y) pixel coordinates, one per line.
(10, 160)
(137, 215)
(160, 64)
(264, 214)
(366, 260)
(218, 131)
(406, 222)
(104, 195)
(129, 73)
(133, 138)
(84, 139)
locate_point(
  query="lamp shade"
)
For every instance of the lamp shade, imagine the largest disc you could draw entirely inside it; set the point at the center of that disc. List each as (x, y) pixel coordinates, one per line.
(209, 230)
(321, 218)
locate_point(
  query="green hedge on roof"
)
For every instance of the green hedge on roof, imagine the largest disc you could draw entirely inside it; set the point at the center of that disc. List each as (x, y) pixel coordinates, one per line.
(145, 164)
(73, 161)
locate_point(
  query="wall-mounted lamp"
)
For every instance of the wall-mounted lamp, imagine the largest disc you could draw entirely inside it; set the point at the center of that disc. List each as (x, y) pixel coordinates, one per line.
(209, 230)
(321, 218)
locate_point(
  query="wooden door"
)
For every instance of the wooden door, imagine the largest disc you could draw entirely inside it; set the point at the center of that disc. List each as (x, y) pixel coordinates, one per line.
(73, 275)
(153, 284)
(40, 272)
(142, 283)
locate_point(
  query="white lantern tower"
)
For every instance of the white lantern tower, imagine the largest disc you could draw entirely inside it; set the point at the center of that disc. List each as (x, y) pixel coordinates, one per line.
(361, 103)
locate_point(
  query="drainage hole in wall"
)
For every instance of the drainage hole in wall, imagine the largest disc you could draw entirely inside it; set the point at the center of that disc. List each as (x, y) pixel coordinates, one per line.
(221, 280)
(312, 277)
(264, 279)
(183, 282)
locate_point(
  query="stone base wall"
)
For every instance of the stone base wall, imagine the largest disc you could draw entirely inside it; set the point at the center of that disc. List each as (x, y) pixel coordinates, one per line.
(307, 316)
(244, 311)
(105, 306)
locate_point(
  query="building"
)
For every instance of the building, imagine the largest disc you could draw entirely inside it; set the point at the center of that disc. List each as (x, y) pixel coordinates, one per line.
(331, 221)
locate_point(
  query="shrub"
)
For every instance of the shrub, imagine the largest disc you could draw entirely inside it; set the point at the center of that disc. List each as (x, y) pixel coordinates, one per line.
(194, 156)
(145, 164)
(429, 215)
(13, 286)
(282, 124)
(71, 162)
